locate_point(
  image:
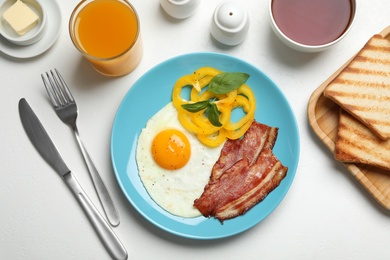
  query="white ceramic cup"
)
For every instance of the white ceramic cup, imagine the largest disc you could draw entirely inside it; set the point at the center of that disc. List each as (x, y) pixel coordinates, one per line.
(304, 47)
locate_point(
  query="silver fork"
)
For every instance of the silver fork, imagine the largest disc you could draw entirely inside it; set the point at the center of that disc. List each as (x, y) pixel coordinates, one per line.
(66, 109)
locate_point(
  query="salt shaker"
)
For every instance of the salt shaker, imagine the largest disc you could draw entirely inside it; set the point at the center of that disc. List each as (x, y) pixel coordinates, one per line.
(230, 23)
(180, 9)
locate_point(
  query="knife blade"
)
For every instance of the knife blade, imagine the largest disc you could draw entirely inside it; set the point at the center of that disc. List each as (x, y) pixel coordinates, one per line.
(45, 146)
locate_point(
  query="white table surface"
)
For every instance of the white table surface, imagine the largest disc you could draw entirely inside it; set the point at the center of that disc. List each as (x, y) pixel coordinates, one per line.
(325, 215)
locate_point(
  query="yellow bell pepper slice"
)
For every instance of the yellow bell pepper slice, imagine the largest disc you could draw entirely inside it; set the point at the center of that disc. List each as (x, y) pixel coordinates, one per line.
(213, 140)
(198, 122)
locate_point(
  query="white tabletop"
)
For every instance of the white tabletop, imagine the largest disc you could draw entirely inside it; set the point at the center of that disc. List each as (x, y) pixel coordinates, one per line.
(325, 215)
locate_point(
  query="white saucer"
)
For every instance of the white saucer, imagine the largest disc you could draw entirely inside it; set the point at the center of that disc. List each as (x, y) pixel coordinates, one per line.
(53, 28)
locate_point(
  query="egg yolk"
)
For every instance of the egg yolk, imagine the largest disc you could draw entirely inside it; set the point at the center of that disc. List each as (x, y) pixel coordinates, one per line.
(171, 149)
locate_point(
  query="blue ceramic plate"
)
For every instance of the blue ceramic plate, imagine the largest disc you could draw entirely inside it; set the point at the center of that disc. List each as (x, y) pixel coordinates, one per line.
(152, 92)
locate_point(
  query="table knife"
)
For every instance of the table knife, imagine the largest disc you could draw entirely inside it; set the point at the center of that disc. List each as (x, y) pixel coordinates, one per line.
(44, 145)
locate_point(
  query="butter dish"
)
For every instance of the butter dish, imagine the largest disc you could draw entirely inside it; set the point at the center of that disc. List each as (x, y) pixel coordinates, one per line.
(52, 32)
(22, 22)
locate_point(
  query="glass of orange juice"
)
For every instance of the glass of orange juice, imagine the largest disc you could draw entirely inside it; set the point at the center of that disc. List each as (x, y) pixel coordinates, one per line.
(107, 33)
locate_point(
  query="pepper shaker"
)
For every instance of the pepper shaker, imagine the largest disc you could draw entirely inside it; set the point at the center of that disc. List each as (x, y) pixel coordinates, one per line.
(230, 23)
(180, 9)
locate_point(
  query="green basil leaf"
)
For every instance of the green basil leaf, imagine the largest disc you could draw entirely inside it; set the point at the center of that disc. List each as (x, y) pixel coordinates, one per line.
(213, 115)
(196, 107)
(226, 82)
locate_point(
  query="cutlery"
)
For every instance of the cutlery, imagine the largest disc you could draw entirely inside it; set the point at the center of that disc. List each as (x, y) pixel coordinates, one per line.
(66, 109)
(44, 145)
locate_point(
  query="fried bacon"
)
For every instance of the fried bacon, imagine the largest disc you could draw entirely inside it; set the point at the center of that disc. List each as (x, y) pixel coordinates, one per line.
(240, 206)
(258, 137)
(253, 171)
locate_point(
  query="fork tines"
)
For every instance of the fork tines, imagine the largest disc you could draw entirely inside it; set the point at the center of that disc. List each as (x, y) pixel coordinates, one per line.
(56, 88)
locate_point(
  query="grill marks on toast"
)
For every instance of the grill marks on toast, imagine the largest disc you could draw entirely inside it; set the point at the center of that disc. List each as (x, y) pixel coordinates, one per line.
(363, 87)
(358, 144)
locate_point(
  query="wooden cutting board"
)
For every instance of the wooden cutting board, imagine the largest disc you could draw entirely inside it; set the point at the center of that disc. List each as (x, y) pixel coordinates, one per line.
(323, 118)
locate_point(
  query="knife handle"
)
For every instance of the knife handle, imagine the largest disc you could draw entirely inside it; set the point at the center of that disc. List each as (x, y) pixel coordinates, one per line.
(106, 234)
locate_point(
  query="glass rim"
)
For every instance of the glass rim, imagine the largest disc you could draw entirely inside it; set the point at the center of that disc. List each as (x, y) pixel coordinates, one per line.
(79, 7)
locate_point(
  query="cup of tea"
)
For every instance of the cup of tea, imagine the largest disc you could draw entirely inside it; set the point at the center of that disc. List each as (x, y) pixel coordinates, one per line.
(311, 26)
(107, 34)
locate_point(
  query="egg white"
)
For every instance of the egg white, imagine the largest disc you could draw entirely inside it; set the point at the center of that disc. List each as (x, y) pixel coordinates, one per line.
(174, 190)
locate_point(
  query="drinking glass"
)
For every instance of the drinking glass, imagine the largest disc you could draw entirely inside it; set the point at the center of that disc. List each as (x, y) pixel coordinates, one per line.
(107, 34)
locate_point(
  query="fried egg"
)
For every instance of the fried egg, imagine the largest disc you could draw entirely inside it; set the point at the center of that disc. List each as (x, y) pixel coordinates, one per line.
(173, 165)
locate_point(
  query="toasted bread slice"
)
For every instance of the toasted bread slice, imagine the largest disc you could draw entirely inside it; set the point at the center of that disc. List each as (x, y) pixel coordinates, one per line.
(363, 87)
(356, 143)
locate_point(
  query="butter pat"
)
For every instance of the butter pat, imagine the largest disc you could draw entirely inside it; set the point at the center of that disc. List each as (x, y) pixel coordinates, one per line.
(21, 18)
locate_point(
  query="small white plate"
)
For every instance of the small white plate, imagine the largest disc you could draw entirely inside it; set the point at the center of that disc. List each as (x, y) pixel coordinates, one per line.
(53, 28)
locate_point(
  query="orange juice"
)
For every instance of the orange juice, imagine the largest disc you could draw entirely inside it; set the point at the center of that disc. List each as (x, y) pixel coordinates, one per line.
(106, 32)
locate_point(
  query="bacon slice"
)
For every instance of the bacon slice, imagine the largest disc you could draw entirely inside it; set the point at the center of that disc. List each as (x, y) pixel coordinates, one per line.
(240, 206)
(258, 137)
(241, 187)
(223, 190)
(246, 172)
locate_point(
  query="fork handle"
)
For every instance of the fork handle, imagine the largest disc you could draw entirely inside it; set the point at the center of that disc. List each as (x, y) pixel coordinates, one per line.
(106, 234)
(101, 190)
